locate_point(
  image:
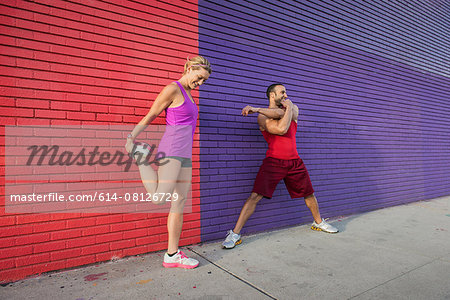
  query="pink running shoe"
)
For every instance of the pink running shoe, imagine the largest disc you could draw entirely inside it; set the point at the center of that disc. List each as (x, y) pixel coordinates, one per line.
(179, 260)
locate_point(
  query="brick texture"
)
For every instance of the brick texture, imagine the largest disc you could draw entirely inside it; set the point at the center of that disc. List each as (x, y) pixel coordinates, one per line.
(80, 63)
(371, 80)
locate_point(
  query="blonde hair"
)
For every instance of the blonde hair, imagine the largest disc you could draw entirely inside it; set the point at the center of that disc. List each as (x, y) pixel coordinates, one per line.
(196, 63)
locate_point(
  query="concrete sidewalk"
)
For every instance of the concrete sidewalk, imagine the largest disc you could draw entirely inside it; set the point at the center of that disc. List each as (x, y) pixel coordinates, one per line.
(400, 252)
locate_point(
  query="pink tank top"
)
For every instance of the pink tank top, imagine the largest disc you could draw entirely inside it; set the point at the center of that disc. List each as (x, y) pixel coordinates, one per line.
(180, 127)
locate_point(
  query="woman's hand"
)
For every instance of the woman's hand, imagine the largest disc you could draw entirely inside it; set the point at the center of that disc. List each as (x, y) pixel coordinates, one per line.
(129, 145)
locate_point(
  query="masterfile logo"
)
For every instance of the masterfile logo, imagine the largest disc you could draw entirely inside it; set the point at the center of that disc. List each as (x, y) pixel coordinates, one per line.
(51, 155)
(51, 169)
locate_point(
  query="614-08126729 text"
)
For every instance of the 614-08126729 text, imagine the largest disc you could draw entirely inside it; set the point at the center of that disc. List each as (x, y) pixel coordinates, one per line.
(101, 197)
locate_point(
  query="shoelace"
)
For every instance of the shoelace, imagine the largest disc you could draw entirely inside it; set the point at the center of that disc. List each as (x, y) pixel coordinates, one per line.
(230, 236)
(182, 254)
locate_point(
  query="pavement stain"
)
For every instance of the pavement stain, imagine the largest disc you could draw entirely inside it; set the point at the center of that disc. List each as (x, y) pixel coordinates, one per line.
(93, 277)
(144, 281)
(382, 267)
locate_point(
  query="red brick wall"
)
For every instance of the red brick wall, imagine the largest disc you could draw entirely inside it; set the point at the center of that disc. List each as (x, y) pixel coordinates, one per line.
(88, 62)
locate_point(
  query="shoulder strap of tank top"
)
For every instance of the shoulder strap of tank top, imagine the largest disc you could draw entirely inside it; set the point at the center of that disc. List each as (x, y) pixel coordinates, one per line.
(185, 95)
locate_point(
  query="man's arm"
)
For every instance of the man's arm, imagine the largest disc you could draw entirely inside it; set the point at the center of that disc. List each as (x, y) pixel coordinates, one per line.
(278, 127)
(272, 113)
(294, 112)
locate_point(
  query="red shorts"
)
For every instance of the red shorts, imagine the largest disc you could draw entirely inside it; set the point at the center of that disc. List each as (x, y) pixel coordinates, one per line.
(292, 171)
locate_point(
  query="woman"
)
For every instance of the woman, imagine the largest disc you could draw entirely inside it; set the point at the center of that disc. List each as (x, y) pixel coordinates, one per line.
(174, 175)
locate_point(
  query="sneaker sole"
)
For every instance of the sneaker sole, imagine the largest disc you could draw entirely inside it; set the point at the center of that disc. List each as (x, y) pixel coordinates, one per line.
(237, 243)
(144, 153)
(177, 265)
(319, 229)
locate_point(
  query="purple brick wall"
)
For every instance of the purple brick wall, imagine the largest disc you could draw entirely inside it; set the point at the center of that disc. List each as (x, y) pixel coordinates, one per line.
(372, 84)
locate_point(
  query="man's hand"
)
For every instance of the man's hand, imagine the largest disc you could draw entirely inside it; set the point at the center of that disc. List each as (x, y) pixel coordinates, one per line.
(286, 103)
(249, 110)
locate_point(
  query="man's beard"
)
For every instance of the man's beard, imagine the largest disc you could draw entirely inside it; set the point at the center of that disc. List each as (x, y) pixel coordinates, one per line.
(279, 103)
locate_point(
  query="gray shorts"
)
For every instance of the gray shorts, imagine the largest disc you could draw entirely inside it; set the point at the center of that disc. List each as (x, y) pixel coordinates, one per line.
(185, 162)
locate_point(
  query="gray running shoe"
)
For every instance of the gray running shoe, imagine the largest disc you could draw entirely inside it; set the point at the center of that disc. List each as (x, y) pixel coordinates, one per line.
(324, 226)
(231, 240)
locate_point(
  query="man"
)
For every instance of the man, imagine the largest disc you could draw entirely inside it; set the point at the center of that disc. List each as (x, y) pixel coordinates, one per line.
(278, 124)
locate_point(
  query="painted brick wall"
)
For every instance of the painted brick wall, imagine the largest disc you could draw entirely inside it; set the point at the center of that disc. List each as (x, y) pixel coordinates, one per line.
(371, 79)
(88, 62)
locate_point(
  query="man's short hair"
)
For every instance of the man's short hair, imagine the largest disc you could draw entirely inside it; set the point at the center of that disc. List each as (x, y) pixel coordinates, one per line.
(271, 89)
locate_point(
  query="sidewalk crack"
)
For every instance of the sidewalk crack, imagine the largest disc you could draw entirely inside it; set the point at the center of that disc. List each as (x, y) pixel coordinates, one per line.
(234, 275)
(396, 277)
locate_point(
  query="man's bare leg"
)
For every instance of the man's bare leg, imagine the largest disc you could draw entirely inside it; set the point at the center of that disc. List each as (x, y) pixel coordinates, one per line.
(311, 203)
(247, 211)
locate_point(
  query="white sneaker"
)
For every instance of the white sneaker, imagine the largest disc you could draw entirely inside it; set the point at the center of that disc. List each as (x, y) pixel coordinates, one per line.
(324, 226)
(179, 260)
(231, 240)
(142, 149)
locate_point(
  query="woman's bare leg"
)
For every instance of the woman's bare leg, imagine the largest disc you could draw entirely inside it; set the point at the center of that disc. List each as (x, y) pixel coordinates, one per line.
(161, 182)
(149, 178)
(170, 179)
(175, 218)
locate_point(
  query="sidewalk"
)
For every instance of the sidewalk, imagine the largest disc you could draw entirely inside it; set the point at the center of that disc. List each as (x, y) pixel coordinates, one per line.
(400, 252)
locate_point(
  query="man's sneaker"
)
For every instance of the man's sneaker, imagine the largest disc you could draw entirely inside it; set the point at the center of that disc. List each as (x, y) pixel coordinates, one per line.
(324, 226)
(231, 240)
(179, 260)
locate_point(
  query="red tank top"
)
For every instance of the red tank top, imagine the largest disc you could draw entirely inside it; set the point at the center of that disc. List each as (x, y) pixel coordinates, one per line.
(282, 146)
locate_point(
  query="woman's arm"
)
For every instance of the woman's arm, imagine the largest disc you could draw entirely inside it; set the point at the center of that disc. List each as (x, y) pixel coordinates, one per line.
(164, 99)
